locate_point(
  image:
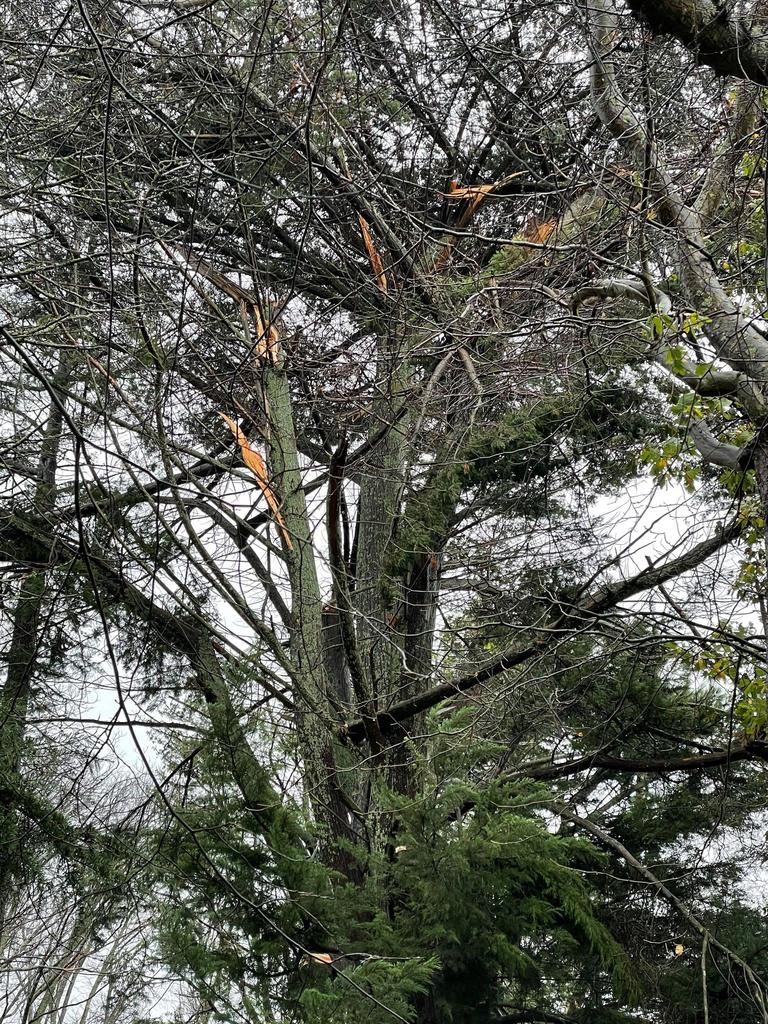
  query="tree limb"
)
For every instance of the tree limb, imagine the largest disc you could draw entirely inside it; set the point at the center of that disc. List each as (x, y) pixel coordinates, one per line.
(751, 751)
(735, 339)
(712, 33)
(569, 620)
(719, 453)
(756, 984)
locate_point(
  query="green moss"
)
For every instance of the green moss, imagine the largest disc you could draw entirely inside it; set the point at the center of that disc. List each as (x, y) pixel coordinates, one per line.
(516, 447)
(581, 216)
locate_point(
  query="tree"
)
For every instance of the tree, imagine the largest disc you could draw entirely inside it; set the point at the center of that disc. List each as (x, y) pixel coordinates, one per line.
(327, 333)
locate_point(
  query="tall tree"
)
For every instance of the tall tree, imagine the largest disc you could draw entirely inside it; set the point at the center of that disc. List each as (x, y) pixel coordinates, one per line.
(331, 335)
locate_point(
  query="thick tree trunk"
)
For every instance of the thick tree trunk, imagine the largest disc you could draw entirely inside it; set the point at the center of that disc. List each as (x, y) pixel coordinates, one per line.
(315, 692)
(376, 593)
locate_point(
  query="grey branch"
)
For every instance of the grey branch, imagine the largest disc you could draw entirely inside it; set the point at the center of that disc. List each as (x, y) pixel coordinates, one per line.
(755, 982)
(634, 289)
(602, 600)
(720, 453)
(715, 382)
(735, 339)
(713, 34)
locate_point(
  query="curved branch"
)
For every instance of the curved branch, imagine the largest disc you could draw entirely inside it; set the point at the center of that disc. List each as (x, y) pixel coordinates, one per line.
(719, 453)
(712, 33)
(569, 620)
(735, 339)
(635, 290)
(752, 751)
(713, 382)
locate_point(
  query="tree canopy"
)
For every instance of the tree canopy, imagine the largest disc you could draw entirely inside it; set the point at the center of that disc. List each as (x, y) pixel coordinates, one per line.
(383, 512)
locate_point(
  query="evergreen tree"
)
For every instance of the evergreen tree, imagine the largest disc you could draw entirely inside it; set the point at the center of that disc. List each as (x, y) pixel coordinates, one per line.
(334, 689)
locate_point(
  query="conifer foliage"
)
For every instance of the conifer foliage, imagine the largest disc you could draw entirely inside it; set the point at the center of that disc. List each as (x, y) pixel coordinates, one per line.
(383, 503)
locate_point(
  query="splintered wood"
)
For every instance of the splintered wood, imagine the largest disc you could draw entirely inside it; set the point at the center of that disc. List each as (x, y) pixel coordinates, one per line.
(258, 467)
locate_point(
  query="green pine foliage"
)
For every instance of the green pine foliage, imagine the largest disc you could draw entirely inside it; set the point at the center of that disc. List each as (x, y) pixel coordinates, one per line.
(459, 906)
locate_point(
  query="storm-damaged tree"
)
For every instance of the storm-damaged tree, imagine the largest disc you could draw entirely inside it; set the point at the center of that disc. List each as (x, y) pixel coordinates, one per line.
(326, 332)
